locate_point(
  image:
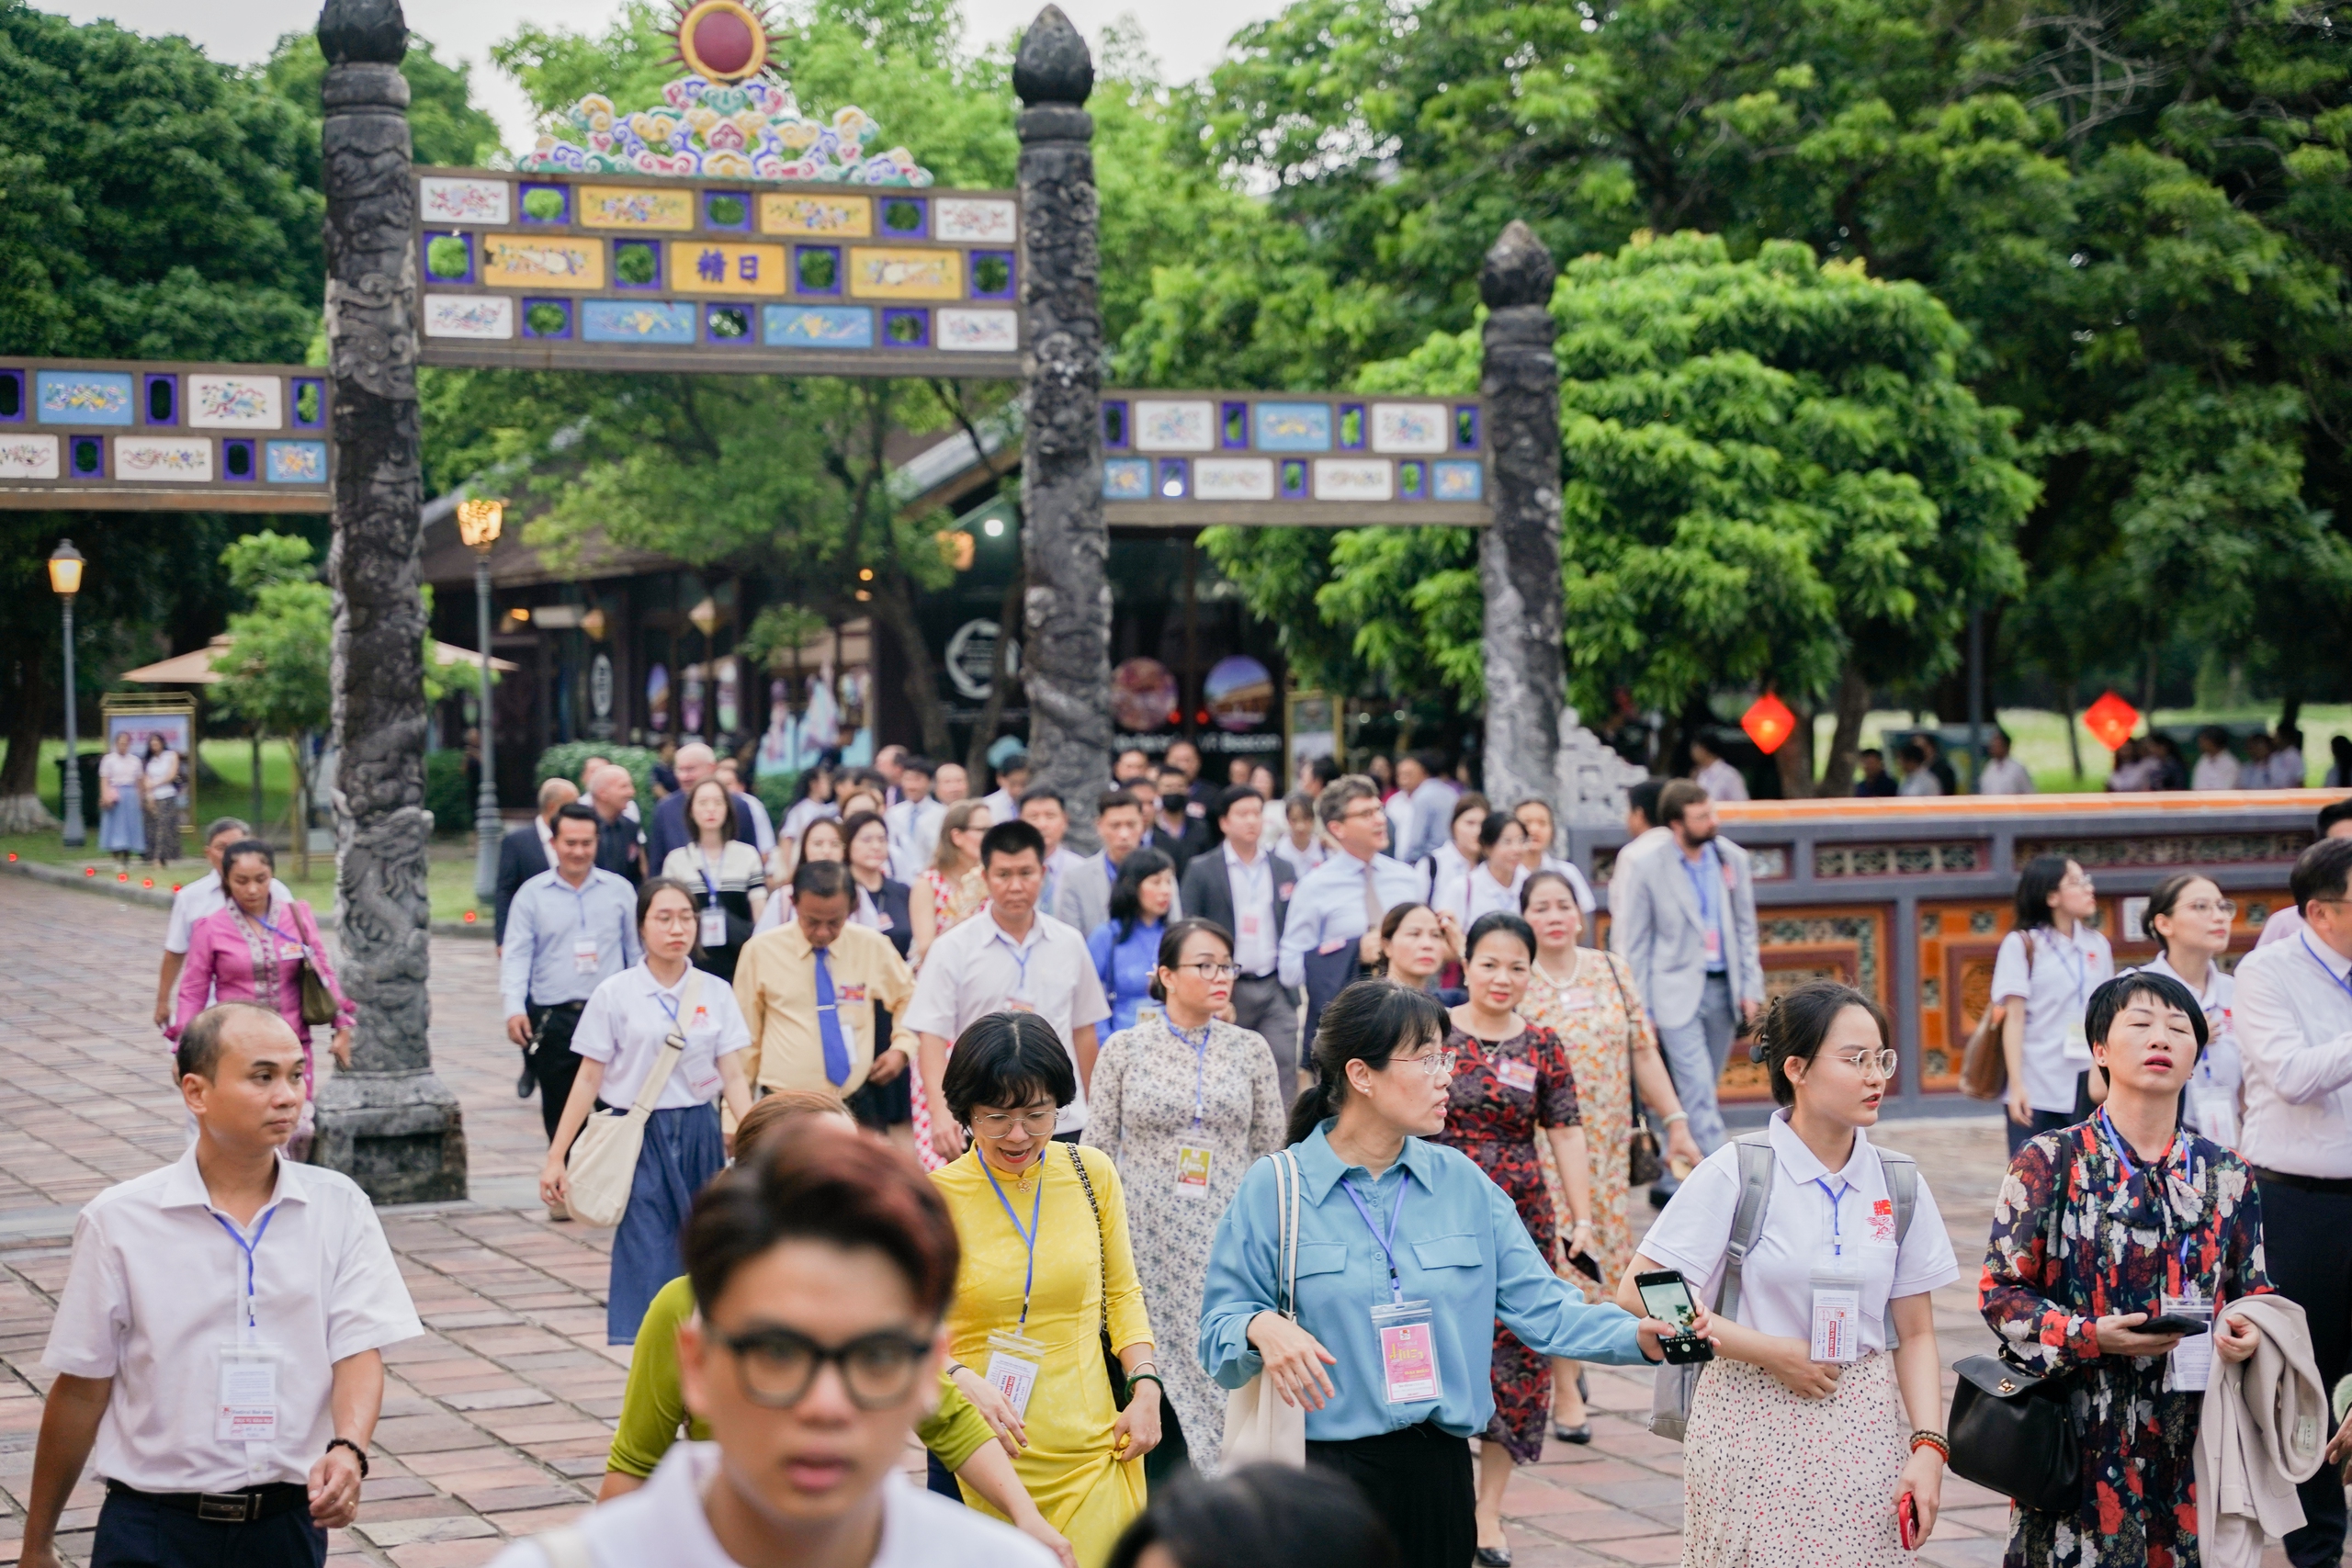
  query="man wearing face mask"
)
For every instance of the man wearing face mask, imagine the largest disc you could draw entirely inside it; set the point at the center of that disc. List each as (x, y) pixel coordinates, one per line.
(1684, 916)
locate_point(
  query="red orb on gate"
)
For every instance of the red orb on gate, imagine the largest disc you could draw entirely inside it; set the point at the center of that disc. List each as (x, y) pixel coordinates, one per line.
(723, 40)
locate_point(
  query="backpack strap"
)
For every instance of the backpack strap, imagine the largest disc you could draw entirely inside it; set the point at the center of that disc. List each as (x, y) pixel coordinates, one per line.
(1755, 1159)
(1902, 1174)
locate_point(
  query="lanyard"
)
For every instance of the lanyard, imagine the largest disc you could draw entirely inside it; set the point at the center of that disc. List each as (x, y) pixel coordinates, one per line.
(2124, 1153)
(1200, 1060)
(702, 864)
(1697, 871)
(1837, 1215)
(248, 1249)
(1387, 1243)
(2342, 982)
(2077, 960)
(1021, 955)
(1029, 1237)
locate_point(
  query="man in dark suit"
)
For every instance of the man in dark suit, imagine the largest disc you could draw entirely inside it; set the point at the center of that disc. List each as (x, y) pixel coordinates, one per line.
(530, 849)
(620, 842)
(1244, 886)
(668, 830)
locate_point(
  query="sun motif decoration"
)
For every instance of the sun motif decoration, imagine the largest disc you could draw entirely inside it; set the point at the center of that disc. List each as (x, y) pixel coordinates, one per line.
(724, 41)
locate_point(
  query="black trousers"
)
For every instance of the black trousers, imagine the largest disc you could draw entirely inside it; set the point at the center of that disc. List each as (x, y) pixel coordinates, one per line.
(1418, 1481)
(136, 1532)
(2051, 1120)
(553, 1065)
(2302, 1241)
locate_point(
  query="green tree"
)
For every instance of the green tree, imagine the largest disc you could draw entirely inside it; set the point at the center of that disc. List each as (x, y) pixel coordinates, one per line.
(444, 126)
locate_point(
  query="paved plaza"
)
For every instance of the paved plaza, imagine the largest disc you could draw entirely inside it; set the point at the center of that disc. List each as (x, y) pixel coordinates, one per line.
(496, 1422)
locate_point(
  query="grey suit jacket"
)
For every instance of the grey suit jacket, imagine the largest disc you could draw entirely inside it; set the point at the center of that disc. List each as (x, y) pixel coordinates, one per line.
(1083, 899)
(1655, 924)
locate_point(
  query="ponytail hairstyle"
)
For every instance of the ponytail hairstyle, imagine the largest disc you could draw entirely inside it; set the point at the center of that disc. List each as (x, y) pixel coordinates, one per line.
(1368, 1022)
(1799, 1020)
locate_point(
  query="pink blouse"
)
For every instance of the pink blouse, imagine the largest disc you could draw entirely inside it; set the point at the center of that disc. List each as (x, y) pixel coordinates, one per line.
(220, 967)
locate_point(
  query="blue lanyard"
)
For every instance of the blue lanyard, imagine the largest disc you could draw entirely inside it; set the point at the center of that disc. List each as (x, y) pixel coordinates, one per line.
(2342, 982)
(248, 1249)
(1021, 955)
(1837, 1215)
(1200, 1060)
(1029, 1237)
(1387, 1243)
(2079, 961)
(702, 864)
(2124, 1157)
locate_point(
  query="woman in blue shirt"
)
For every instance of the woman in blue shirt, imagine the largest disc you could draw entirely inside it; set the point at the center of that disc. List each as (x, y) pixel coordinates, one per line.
(1406, 1256)
(1126, 946)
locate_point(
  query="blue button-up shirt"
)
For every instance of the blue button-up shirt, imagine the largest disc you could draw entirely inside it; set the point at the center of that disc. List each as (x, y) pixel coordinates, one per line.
(1327, 906)
(544, 923)
(1460, 1246)
(1706, 874)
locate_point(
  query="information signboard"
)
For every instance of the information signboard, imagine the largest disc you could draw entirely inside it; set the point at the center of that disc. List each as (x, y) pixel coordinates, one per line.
(131, 435)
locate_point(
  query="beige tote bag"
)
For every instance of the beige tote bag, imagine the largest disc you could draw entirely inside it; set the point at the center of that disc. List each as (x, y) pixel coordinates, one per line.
(1261, 1427)
(602, 1167)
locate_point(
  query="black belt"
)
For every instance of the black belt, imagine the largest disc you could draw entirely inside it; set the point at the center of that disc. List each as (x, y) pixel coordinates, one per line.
(2335, 1186)
(1274, 975)
(250, 1506)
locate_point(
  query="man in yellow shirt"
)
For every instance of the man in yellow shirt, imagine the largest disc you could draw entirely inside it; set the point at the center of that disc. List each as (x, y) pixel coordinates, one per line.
(808, 989)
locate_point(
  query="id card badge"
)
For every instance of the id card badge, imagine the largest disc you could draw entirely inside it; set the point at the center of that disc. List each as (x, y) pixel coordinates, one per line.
(1516, 1073)
(1146, 1012)
(1013, 1363)
(1193, 1161)
(2078, 1039)
(584, 954)
(245, 1410)
(1837, 1311)
(713, 925)
(2189, 1368)
(2213, 1109)
(1714, 944)
(1408, 1368)
(1249, 927)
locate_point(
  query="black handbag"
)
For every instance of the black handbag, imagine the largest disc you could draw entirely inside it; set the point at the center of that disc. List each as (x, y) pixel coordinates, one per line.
(2011, 1431)
(1121, 1390)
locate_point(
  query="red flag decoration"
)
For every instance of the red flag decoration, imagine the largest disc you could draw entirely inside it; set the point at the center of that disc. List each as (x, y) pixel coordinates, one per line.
(1768, 722)
(2111, 719)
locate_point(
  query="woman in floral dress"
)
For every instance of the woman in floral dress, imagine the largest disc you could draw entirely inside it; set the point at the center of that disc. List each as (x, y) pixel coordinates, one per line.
(1511, 1079)
(1182, 1084)
(2095, 1224)
(1589, 999)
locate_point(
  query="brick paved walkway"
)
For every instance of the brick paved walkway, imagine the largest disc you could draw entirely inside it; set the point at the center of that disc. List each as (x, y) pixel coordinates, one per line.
(496, 1422)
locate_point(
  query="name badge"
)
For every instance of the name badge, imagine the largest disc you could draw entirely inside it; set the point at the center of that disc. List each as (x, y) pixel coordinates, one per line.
(1516, 1073)
(1580, 998)
(1013, 1363)
(714, 926)
(851, 993)
(1329, 948)
(2078, 1039)
(1192, 1163)
(1249, 927)
(2189, 1368)
(1014, 1004)
(1714, 944)
(1837, 1311)
(246, 1410)
(1146, 1012)
(1283, 891)
(881, 922)
(584, 955)
(1408, 1368)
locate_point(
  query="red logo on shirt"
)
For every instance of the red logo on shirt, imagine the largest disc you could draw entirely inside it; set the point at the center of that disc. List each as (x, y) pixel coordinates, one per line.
(853, 993)
(1883, 1220)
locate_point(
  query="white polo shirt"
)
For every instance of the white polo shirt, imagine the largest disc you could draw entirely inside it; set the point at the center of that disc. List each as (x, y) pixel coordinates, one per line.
(664, 1521)
(205, 896)
(977, 968)
(1776, 1282)
(156, 1289)
(2057, 990)
(628, 1017)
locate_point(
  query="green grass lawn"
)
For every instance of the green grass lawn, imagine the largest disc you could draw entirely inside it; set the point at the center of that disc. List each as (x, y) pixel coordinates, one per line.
(450, 872)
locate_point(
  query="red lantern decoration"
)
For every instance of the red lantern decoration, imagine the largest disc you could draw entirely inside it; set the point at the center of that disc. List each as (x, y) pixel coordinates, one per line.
(2112, 720)
(1769, 722)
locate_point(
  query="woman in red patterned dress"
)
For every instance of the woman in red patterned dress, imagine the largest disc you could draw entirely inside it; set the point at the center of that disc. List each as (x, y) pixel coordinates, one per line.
(1511, 1079)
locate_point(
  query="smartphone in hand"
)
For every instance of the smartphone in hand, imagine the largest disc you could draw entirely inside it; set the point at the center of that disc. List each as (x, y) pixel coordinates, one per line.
(1907, 1521)
(1667, 1297)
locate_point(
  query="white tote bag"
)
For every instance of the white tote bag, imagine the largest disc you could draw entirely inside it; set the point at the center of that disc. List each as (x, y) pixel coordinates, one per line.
(602, 1167)
(1261, 1427)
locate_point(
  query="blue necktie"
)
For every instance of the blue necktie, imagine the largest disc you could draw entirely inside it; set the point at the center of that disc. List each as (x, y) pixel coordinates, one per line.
(829, 1023)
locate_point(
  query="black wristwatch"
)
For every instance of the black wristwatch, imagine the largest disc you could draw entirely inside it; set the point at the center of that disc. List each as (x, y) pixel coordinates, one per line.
(358, 1452)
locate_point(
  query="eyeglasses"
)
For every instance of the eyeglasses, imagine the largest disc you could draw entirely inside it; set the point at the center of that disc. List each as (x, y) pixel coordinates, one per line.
(776, 1367)
(1212, 971)
(1000, 1123)
(2075, 879)
(2227, 906)
(1863, 1061)
(1437, 1064)
(1356, 813)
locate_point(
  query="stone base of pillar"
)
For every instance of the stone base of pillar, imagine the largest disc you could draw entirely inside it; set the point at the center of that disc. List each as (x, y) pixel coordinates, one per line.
(1593, 778)
(401, 1136)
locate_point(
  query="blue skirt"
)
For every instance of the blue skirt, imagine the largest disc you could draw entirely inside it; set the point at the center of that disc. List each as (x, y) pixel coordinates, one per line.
(682, 1150)
(123, 829)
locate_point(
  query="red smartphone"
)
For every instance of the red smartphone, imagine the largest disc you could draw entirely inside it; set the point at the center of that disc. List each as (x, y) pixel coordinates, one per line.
(1907, 1521)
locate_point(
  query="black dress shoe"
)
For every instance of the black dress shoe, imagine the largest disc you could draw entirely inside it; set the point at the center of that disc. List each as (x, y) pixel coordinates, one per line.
(526, 1084)
(1494, 1557)
(1577, 1434)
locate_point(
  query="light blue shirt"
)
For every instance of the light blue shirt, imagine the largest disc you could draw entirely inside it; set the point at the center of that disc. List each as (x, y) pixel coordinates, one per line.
(1706, 874)
(1460, 1246)
(1433, 804)
(543, 927)
(1327, 906)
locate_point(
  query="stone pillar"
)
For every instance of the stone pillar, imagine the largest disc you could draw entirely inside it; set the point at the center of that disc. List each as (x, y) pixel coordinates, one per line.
(1066, 649)
(388, 1122)
(1518, 556)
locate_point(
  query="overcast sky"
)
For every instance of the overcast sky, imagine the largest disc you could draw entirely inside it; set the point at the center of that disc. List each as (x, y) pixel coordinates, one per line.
(1187, 38)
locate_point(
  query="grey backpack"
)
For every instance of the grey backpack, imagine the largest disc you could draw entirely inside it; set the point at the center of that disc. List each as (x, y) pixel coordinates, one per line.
(1670, 1398)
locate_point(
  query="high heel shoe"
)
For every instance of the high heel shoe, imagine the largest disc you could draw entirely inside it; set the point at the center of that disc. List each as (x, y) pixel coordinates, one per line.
(1494, 1557)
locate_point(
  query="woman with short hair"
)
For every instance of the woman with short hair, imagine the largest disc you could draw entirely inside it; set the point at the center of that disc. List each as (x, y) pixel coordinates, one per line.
(1795, 1455)
(1049, 1267)
(1186, 1103)
(1126, 948)
(2043, 975)
(623, 1040)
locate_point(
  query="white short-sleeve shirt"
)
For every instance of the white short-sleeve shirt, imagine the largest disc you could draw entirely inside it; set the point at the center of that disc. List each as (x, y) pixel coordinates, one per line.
(156, 1288)
(1776, 1282)
(2064, 971)
(975, 967)
(628, 1017)
(2221, 1064)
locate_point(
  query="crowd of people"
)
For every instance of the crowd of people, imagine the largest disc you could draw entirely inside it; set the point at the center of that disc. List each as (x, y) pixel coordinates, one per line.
(929, 1125)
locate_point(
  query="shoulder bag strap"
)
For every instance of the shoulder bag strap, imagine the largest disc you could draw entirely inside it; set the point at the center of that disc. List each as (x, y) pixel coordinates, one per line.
(1102, 1247)
(1747, 1219)
(1901, 1173)
(1288, 1181)
(674, 1046)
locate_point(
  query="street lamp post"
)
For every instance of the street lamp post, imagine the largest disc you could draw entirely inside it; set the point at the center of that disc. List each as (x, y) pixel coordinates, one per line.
(479, 522)
(65, 578)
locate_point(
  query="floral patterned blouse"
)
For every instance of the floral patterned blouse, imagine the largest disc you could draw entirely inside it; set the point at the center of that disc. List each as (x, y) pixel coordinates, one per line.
(2082, 1230)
